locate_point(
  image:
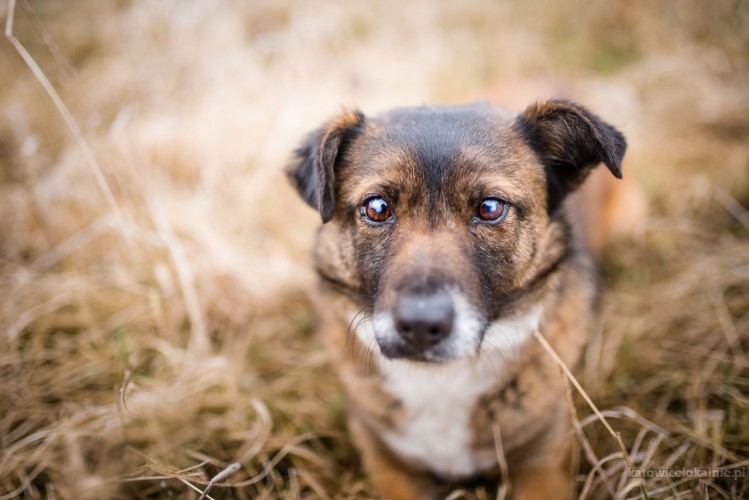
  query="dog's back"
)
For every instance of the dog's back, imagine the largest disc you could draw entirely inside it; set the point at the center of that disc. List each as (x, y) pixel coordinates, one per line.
(605, 210)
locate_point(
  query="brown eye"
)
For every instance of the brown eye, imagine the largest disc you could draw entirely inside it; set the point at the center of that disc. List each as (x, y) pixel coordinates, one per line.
(376, 210)
(492, 210)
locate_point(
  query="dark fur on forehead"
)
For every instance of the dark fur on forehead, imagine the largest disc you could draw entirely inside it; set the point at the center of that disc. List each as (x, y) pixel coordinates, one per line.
(418, 154)
(435, 135)
(570, 141)
(313, 171)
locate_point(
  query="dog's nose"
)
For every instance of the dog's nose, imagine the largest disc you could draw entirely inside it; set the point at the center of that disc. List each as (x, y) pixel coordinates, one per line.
(424, 320)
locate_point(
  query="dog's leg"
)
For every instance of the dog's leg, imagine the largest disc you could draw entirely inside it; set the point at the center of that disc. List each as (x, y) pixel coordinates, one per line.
(390, 479)
(542, 484)
(547, 475)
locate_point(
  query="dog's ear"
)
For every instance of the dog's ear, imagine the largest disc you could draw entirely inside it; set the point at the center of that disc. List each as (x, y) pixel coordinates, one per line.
(570, 140)
(313, 169)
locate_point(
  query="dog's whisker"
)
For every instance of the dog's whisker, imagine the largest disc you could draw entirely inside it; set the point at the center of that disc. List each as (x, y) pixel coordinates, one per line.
(497, 365)
(368, 357)
(351, 328)
(364, 317)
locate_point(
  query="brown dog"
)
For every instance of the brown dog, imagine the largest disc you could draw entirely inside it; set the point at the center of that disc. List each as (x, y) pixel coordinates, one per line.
(445, 245)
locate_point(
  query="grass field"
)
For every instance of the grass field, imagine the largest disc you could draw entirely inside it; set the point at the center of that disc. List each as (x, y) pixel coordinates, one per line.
(155, 325)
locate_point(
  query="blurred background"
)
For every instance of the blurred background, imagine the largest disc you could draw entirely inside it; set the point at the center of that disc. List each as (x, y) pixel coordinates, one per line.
(155, 325)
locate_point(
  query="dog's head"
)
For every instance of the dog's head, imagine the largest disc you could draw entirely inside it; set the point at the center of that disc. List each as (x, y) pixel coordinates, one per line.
(439, 218)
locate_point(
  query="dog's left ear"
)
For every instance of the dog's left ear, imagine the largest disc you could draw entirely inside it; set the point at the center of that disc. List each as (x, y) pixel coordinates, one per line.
(570, 140)
(313, 169)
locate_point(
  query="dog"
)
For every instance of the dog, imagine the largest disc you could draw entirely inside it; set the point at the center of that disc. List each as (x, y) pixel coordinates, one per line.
(446, 243)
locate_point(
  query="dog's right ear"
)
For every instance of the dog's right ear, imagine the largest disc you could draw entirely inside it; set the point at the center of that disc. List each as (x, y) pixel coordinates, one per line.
(313, 170)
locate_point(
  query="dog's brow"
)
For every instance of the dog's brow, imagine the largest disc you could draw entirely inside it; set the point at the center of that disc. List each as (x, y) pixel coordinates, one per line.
(385, 171)
(371, 186)
(496, 174)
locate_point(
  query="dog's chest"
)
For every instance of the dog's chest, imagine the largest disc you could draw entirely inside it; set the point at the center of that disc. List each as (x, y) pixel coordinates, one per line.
(435, 431)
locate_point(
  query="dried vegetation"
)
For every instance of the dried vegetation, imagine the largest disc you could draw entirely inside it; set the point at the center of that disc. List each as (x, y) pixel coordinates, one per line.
(150, 341)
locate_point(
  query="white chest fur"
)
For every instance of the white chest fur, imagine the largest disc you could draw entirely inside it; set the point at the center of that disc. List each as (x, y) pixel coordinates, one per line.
(439, 400)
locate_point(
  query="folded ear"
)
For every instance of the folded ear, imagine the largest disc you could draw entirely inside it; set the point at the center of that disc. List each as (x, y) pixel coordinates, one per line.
(313, 169)
(570, 140)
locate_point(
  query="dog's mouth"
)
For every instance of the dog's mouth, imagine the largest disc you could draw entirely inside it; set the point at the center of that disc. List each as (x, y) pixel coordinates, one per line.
(402, 351)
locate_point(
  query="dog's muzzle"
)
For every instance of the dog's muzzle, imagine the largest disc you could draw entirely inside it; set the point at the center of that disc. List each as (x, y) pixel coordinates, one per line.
(427, 326)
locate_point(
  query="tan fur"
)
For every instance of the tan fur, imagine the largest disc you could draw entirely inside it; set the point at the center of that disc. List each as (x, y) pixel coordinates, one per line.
(605, 210)
(368, 267)
(539, 467)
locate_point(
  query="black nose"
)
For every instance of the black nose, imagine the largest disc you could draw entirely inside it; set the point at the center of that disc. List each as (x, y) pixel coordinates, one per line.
(424, 320)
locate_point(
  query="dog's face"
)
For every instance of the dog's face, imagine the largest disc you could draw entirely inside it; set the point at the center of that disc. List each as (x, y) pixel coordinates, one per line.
(440, 218)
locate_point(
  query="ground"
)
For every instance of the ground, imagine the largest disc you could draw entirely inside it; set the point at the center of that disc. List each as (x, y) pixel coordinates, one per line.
(154, 264)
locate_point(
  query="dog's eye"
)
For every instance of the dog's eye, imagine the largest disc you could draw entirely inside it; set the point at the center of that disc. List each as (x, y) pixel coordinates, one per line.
(492, 210)
(376, 210)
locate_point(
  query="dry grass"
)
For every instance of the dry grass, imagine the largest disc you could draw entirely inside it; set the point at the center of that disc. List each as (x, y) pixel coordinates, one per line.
(142, 355)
